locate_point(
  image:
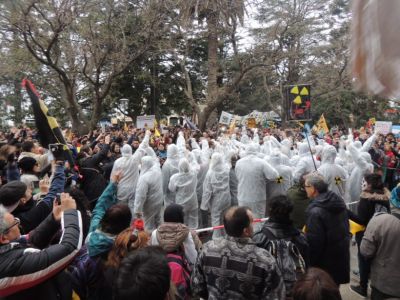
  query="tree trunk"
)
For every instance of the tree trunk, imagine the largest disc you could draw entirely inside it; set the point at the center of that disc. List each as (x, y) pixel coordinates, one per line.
(212, 75)
(73, 111)
(97, 110)
(17, 103)
(205, 115)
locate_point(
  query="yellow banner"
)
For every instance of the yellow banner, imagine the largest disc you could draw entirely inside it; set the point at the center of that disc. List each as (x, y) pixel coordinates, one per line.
(321, 125)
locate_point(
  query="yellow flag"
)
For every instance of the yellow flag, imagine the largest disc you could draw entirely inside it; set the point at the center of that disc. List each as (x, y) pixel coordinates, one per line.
(321, 125)
(156, 131)
(353, 226)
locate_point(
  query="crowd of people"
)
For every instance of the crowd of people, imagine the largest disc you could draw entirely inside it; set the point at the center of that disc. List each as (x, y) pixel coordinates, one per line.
(117, 218)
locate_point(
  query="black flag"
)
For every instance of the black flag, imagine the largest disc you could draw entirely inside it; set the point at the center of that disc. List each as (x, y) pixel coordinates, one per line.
(47, 126)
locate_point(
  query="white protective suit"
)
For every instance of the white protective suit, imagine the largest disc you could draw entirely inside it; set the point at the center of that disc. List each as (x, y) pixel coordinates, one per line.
(184, 185)
(284, 181)
(306, 162)
(244, 139)
(202, 161)
(270, 143)
(170, 167)
(286, 146)
(335, 175)
(181, 144)
(363, 165)
(216, 194)
(252, 173)
(233, 186)
(149, 194)
(129, 165)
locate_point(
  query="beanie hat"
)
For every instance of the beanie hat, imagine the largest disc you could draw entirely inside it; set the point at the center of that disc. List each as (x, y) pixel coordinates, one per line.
(26, 164)
(11, 193)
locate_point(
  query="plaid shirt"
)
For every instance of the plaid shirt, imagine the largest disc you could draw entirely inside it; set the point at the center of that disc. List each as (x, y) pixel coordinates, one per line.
(235, 268)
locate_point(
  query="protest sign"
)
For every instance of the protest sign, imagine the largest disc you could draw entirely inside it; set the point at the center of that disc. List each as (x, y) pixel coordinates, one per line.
(383, 127)
(145, 121)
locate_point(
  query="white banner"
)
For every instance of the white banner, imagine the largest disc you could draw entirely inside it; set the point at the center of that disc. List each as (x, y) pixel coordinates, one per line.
(225, 118)
(145, 121)
(260, 117)
(383, 127)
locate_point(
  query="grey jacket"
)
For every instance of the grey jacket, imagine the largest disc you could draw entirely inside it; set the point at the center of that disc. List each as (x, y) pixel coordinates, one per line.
(381, 243)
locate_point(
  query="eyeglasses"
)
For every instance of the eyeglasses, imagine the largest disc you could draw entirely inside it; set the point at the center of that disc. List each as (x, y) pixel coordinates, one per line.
(308, 186)
(16, 223)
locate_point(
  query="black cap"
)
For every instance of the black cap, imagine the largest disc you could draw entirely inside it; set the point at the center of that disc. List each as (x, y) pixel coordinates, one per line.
(11, 193)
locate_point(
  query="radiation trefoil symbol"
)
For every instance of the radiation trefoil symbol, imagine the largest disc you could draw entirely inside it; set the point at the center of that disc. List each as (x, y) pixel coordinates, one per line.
(295, 91)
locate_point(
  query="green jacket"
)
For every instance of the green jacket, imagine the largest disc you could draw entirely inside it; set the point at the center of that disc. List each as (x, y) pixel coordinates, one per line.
(298, 196)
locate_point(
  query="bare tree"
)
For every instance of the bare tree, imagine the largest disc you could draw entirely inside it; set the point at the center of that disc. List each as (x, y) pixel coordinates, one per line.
(88, 43)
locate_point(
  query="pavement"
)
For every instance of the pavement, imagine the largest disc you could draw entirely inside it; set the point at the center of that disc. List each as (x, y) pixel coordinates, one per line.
(354, 280)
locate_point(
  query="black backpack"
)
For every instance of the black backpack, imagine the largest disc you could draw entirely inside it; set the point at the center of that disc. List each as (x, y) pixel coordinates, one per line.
(288, 258)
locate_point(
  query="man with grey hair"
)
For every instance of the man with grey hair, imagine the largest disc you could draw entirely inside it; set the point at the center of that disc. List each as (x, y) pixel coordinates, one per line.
(27, 271)
(327, 229)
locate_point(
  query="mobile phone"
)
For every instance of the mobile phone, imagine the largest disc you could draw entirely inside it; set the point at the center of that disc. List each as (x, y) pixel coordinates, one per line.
(58, 198)
(57, 150)
(35, 184)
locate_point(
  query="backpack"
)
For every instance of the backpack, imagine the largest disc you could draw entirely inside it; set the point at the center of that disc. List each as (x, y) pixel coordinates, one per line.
(289, 261)
(180, 275)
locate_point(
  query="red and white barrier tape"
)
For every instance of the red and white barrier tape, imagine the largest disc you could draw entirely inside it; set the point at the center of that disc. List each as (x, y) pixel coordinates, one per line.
(222, 226)
(254, 221)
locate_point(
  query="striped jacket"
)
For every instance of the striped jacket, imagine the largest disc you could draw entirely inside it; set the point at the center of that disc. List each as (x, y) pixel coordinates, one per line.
(30, 273)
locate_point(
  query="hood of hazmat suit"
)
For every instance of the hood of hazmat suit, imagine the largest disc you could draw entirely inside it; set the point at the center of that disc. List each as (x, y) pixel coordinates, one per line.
(334, 174)
(149, 194)
(216, 193)
(184, 185)
(169, 168)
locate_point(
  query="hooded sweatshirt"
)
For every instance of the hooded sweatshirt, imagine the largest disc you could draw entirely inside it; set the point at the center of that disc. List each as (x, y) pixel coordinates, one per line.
(175, 237)
(328, 236)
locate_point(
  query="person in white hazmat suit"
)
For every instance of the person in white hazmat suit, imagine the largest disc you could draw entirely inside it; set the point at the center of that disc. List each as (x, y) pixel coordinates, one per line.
(284, 181)
(149, 194)
(184, 185)
(252, 173)
(363, 165)
(201, 175)
(169, 168)
(216, 193)
(233, 182)
(334, 174)
(306, 163)
(128, 164)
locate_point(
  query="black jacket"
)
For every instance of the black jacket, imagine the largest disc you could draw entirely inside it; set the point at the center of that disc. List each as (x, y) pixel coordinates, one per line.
(328, 235)
(29, 273)
(274, 230)
(93, 181)
(371, 202)
(32, 214)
